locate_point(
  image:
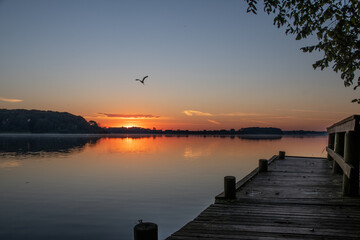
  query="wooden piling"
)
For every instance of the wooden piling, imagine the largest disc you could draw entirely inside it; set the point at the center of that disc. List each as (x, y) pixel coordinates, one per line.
(339, 149)
(146, 231)
(263, 165)
(230, 187)
(331, 144)
(281, 155)
(351, 156)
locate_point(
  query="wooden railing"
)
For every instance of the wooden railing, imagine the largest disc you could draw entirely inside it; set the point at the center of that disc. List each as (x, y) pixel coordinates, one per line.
(343, 149)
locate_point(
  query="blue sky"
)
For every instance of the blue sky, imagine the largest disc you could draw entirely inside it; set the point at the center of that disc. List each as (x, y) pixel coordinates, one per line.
(202, 56)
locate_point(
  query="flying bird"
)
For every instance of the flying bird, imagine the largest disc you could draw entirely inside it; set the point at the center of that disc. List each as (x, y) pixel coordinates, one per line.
(142, 81)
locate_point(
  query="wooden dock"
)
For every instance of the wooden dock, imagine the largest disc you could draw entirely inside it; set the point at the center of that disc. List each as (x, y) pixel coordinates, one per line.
(296, 198)
(286, 197)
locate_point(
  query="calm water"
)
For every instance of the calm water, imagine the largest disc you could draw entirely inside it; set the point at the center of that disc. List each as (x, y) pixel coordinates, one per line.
(97, 187)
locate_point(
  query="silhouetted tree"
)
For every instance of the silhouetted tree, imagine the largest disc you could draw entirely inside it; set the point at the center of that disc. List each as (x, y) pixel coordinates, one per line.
(336, 24)
(35, 121)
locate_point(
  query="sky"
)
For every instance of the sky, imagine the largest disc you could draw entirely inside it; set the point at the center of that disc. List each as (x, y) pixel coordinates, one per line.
(210, 64)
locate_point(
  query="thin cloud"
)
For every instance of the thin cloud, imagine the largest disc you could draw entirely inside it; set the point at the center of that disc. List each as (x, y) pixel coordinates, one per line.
(235, 114)
(241, 114)
(10, 100)
(129, 116)
(214, 122)
(282, 117)
(318, 111)
(196, 113)
(304, 110)
(321, 119)
(258, 121)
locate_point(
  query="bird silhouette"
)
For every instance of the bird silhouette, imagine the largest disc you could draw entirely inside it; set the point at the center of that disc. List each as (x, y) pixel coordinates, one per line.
(142, 81)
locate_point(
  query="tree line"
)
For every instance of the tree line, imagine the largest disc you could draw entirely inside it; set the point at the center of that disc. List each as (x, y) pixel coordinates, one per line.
(36, 121)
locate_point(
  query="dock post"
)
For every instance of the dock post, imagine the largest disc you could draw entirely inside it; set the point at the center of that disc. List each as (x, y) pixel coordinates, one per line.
(351, 156)
(331, 143)
(146, 231)
(263, 165)
(281, 155)
(339, 149)
(230, 187)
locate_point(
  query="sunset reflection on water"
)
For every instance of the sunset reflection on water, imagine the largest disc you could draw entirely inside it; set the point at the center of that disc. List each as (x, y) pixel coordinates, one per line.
(196, 146)
(86, 186)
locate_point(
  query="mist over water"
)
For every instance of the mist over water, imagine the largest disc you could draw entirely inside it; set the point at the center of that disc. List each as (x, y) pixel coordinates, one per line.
(98, 187)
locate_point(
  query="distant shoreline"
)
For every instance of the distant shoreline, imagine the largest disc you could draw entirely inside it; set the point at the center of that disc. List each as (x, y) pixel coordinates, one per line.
(21, 121)
(242, 132)
(158, 134)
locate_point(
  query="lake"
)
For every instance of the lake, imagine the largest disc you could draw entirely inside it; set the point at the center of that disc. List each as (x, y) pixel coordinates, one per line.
(98, 187)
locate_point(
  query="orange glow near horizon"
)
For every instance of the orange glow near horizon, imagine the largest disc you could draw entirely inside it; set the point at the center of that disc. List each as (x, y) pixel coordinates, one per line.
(294, 119)
(199, 124)
(127, 122)
(195, 147)
(129, 126)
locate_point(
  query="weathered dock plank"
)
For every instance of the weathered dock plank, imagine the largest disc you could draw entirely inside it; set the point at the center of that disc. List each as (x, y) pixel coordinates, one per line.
(297, 198)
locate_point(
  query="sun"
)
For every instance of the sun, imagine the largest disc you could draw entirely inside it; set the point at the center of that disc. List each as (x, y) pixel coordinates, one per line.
(129, 126)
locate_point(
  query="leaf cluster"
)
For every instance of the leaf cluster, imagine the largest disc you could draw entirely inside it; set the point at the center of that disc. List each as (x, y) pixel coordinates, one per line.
(336, 25)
